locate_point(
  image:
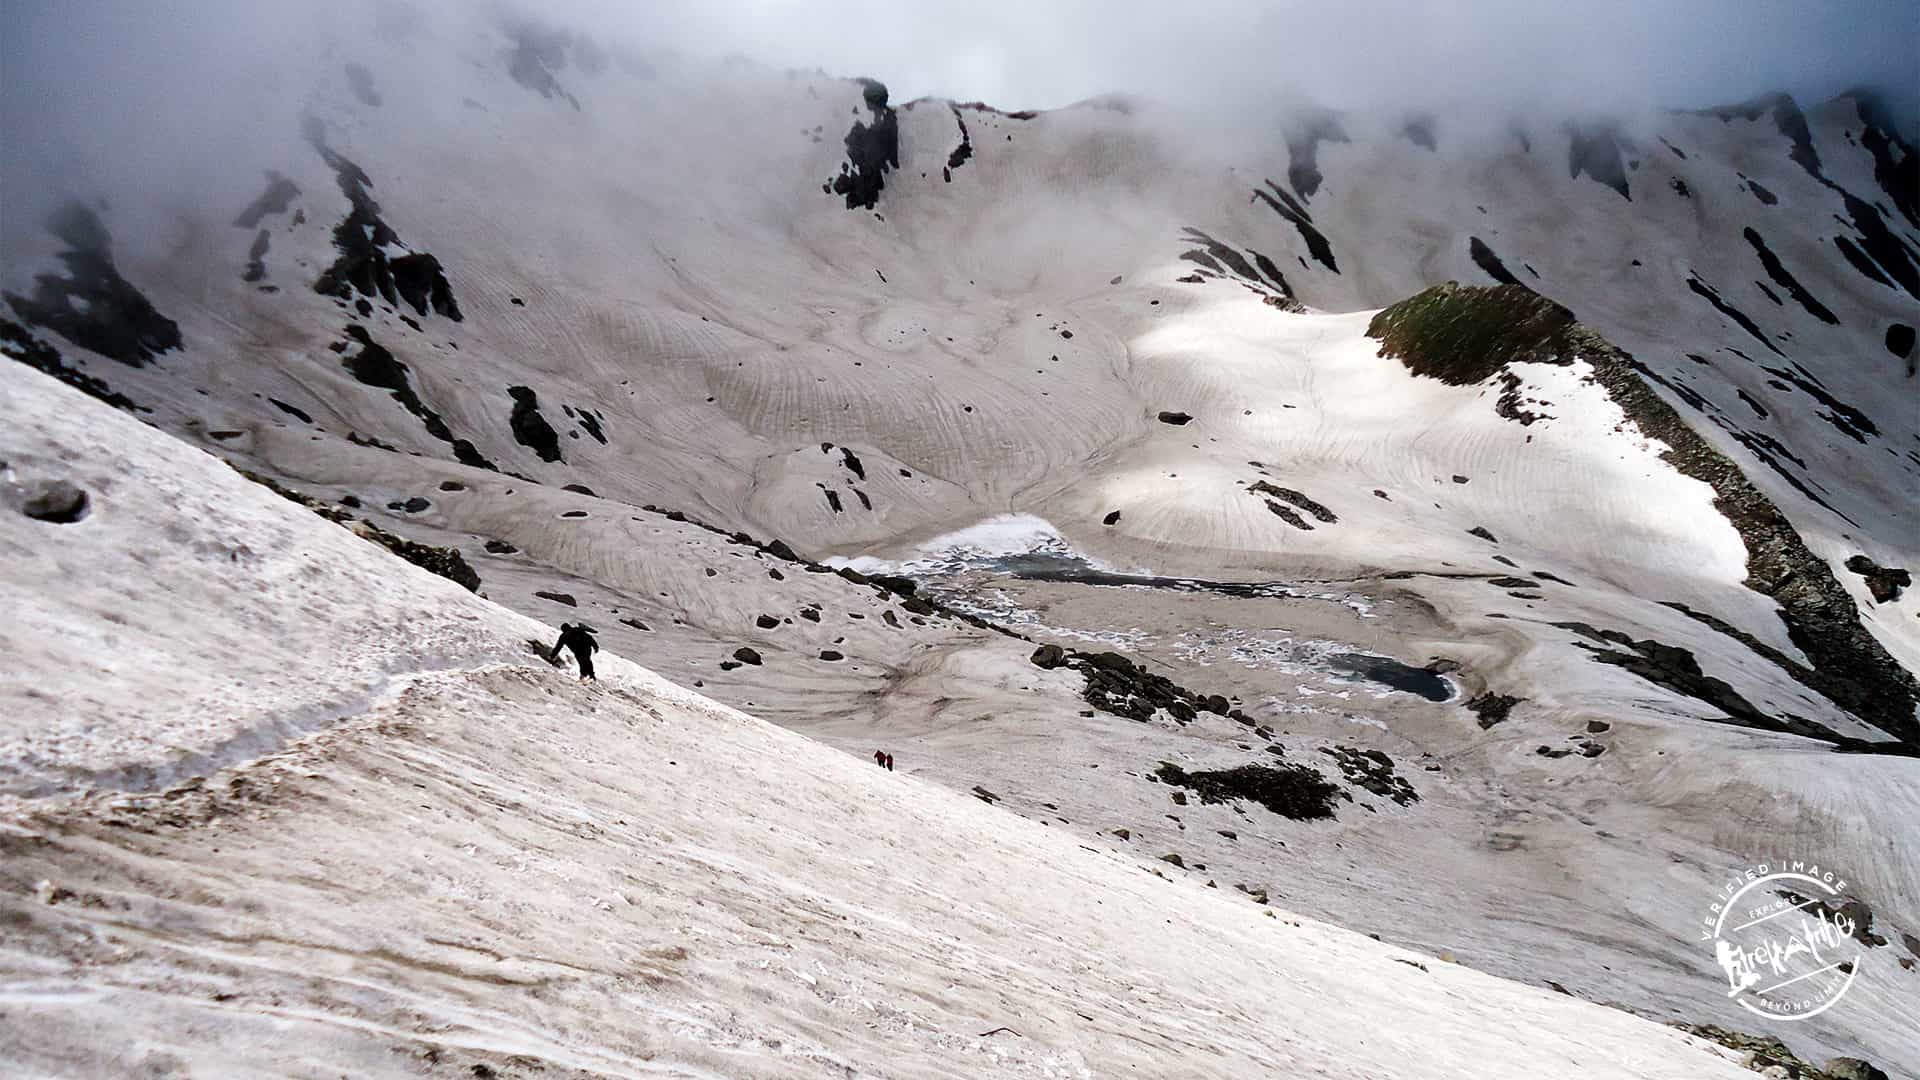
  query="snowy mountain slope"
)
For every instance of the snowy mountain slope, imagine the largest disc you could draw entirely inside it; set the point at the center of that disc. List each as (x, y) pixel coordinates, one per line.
(484, 867)
(863, 382)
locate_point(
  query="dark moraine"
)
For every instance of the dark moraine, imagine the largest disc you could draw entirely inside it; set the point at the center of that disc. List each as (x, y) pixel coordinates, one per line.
(1392, 673)
(17, 343)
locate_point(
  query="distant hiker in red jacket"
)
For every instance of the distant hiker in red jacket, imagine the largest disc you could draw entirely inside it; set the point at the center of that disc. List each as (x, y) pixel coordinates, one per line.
(579, 639)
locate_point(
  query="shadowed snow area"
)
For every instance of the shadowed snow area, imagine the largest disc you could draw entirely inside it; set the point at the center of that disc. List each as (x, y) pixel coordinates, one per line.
(500, 867)
(1486, 533)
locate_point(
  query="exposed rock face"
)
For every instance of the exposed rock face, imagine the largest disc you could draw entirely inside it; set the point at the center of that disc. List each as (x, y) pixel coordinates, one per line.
(1884, 582)
(93, 306)
(1221, 258)
(360, 81)
(1778, 272)
(1303, 151)
(1462, 335)
(536, 57)
(364, 242)
(1296, 214)
(531, 429)
(1492, 708)
(1595, 151)
(872, 149)
(963, 151)
(1485, 259)
(376, 366)
(279, 195)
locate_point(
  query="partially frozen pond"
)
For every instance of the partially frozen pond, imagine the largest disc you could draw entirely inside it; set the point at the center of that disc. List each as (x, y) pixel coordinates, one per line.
(960, 568)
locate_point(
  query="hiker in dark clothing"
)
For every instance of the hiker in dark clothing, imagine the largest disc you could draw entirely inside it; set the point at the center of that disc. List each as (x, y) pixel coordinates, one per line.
(579, 638)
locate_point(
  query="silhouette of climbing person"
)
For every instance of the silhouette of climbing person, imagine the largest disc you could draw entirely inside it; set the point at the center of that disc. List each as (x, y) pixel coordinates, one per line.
(889, 762)
(579, 638)
(883, 759)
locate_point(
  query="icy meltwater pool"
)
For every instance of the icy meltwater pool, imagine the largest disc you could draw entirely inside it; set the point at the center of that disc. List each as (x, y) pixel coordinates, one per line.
(1029, 548)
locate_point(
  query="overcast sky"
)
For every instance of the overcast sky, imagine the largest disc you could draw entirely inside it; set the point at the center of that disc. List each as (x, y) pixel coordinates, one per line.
(1564, 55)
(149, 89)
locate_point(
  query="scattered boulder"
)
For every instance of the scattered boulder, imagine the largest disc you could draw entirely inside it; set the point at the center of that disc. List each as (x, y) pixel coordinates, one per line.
(1886, 583)
(1492, 708)
(1048, 657)
(1177, 419)
(766, 622)
(558, 597)
(746, 655)
(54, 501)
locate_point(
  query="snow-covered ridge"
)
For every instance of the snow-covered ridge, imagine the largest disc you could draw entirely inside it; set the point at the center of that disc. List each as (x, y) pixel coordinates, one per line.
(1154, 342)
(490, 868)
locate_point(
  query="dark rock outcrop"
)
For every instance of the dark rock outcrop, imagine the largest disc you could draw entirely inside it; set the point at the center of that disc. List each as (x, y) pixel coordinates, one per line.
(530, 429)
(1595, 151)
(1303, 150)
(1492, 708)
(1283, 204)
(93, 306)
(1884, 582)
(1292, 791)
(1485, 259)
(363, 240)
(279, 195)
(360, 81)
(1778, 272)
(445, 561)
(376, 366)
(872, 149)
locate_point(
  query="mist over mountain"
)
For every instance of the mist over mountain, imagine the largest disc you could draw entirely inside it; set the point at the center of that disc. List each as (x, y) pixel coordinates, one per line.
(1228, 540)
